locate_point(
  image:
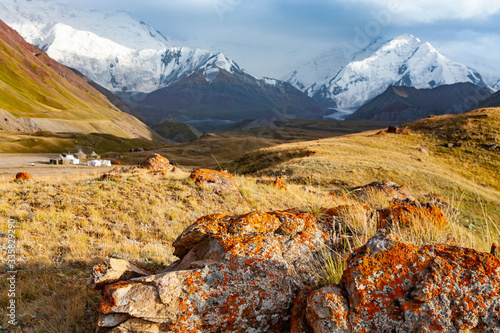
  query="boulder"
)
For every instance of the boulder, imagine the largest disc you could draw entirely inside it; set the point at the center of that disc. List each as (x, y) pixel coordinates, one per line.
(406, 212)
(111, 271)
(157, 163)
(397, 130)
(235, 274)
(390, 286)
(23, 176)
(218, 181)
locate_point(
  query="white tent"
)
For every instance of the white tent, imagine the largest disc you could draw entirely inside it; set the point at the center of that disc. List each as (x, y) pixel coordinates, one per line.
(65, 159)
(97, 163)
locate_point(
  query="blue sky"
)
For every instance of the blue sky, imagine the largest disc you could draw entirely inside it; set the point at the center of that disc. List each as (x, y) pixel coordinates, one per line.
(270, 37)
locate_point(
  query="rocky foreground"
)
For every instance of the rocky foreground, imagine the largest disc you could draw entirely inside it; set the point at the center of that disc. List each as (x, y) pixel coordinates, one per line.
(258, 273)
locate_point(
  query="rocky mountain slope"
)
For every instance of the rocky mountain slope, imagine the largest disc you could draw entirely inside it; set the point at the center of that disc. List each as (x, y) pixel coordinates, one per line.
(223, 95)
(44, 95)
(404, 104)
(496, 85)
(403, 61)
(492, 101)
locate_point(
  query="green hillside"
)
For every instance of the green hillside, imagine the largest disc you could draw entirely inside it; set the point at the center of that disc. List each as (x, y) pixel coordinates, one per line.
(49, 96)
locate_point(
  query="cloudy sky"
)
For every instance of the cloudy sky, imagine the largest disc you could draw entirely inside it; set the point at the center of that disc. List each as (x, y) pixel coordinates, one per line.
(270, 37)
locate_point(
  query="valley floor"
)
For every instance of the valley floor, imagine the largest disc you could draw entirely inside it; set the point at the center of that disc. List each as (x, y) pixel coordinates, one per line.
(11, 164)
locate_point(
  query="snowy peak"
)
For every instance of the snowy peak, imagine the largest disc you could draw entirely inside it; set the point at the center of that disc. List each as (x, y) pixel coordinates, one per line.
(112, 49)
(322, 67)
(402, 61)
(33, 18)
(215, 63)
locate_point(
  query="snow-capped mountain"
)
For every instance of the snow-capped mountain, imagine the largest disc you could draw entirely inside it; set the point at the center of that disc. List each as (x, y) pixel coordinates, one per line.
(402, 61)
(322, 67)
(112, 49)
(34, 20)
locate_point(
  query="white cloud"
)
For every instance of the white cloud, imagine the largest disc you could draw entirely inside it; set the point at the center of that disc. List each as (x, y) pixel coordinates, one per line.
(409, 12)
(478, 51)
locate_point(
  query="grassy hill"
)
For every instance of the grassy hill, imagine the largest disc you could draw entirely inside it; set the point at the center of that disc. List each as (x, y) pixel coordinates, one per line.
(466, 173)
(46, 95)
(49, 142)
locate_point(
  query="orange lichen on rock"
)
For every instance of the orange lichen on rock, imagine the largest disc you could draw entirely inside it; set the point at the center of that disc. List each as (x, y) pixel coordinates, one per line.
(397, 130)
(293, 222)
(408, 212)
(327, 308)
(280, 184)
(235, 274)
(157, 163)
(218, 181)
(108, 300)
(438, 288)
(23, 176)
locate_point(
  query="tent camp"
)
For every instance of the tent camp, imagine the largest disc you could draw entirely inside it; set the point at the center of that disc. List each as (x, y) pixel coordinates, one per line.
(65, 159)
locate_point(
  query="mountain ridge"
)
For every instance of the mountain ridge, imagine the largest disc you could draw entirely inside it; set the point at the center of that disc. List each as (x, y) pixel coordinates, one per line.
(401, 61)
(112, 49)
(404, 104)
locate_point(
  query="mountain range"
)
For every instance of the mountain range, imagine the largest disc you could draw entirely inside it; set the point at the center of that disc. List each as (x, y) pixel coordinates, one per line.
(357, 76)
(160, 80)
(163, 80)
(39, 94)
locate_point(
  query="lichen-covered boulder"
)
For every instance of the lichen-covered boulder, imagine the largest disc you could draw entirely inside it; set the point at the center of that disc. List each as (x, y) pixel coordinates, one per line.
(235, 274)
(218, 181)
(157, 163)
(23, 176)
(395, 287)
(405, 213)
(326, 309)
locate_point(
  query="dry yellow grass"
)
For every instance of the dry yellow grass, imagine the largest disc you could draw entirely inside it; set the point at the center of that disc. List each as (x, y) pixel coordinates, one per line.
(67, 224)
